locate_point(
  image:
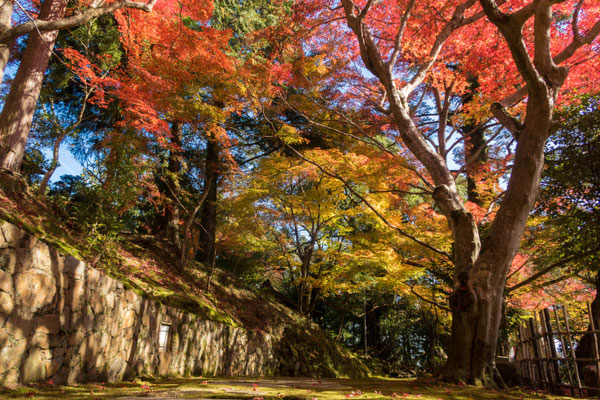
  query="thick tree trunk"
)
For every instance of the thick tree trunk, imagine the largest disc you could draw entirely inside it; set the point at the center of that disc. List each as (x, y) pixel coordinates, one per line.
(373, 327)
(208, 212)
(19, 107)
(173, 191)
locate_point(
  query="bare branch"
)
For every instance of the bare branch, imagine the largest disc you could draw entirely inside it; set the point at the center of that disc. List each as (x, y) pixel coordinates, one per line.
(549, 268)
(369, 205)
(508, 121)
(398, 41)
(455, 22)
(75, 20)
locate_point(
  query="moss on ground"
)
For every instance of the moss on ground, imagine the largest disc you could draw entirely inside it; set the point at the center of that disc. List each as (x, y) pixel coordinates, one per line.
(272, 389)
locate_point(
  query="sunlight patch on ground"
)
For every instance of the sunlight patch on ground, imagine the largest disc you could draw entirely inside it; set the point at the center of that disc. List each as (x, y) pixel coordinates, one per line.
(268, 389)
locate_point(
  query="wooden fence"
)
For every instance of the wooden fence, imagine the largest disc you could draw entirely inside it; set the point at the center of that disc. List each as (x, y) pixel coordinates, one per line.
(546, 354)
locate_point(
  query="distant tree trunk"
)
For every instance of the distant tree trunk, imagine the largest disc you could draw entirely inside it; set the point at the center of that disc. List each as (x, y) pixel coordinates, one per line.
(187, 228)
(365, 327)
(373, 327)
(476, 152)
(173, 191)
(53, 165)
(208, 212)
(19, 106)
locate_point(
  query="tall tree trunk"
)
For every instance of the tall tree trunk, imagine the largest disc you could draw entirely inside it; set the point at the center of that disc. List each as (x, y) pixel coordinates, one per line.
(186, 230)
(476, 302)
(374, 327)
(208, 212)
(173, 191)
(53, 165)
(6, 10)
(19, 106)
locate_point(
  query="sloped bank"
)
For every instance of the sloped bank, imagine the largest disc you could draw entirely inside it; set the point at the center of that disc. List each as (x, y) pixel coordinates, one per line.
(63, 320)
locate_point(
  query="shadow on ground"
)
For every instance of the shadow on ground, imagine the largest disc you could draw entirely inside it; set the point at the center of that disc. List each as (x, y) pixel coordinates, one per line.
(268, 389)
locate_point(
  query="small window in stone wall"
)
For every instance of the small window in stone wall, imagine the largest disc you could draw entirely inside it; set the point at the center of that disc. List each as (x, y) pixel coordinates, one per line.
(163, 336)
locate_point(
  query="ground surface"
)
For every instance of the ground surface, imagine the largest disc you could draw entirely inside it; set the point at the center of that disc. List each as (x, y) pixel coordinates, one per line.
(268, 389)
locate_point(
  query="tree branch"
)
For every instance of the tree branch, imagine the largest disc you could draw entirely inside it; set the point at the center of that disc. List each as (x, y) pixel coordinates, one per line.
(75, 20)
(549, 268)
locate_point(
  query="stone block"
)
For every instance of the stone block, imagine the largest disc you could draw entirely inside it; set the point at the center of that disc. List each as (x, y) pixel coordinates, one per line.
(131, 297)
(74, 268)
(41, 340)
(128, 320)
(49, 324)
(8, 261)
(106, 285)
(35, 290)
(65, 318)
(10, 235)
(109, 298)
(116, 369)
(97, 303)
(6, 283)
(87, 323)
(6, 304)
(59, 351)
(75, 295)
(34, 367)
(54, 365)
(114, 328)
(18, 327)
(39, 258)
(88, 351)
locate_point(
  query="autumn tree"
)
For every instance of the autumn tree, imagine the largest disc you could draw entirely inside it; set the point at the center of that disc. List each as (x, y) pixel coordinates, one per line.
(409, 46)
(43, 28)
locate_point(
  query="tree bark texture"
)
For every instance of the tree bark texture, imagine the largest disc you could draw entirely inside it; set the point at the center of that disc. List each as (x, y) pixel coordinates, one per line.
(17, 114)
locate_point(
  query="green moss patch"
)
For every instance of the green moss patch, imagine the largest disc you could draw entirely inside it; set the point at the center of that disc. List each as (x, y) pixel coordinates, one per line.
(272, 389)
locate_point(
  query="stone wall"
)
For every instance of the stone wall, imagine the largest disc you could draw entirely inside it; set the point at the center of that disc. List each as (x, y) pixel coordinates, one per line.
(63, 320)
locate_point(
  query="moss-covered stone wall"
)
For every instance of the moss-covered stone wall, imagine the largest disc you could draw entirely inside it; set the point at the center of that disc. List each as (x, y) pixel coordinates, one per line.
(63, 320)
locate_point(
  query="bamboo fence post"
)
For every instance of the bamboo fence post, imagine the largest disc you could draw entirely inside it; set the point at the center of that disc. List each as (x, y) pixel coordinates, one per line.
(564, 349)
(525, 362)
(552, 346)
(539, 329)
(548, 354)
(530, 355)
(524, 354)
(519, 350)
(594, 337)
(536, 351)
(570, 340)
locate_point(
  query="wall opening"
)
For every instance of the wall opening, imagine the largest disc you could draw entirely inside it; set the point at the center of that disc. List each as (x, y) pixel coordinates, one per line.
(163, 336)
